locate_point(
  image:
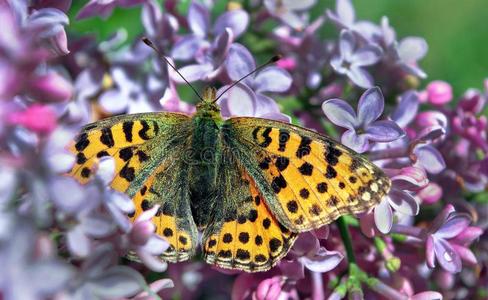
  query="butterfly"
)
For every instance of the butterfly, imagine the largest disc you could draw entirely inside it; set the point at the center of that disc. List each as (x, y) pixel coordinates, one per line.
(249, 185)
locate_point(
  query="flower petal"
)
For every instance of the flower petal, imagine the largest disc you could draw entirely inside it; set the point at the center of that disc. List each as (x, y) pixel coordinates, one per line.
(187, 47)
(238, 101)
(240, 62)
(118, 281)
(370, 106)
(360, 77)
(340, 113)
(194, 72)
(466, 255)
(345, 12)
(322, 261)
(272, 79)
(383, 216)
(446, 256)
(403, 202)
(198, 19)
(429, 252)
(430, 158)
(367, 55)
(237, 20)
(407, 109)
(347, 43)
(428, 295)
(454, 225)
(48, 277)
(384, 131)
(357, 142)
(411, 49)
(468, 235)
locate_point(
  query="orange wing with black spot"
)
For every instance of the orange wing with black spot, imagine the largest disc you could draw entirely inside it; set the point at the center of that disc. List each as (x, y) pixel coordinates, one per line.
(306, 179)
(243, 233)
(146, 150)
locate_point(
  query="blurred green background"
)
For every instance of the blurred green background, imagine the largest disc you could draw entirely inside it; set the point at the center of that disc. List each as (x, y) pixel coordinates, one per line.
(456, 31)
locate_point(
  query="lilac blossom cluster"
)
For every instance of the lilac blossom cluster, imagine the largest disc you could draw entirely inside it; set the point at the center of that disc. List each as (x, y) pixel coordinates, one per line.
(62, 240)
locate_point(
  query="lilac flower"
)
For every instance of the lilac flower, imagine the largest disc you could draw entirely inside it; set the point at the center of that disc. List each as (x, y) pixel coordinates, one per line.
(146, 244)
(345, 18)
(448, 239)
(352, 59)
(404, 53)
(439, 92)
(103, 8)
(289, 11)
(307, 253)
(400, 199)
(362, 127)
(243, 101)
(23, 260)
(208, 55)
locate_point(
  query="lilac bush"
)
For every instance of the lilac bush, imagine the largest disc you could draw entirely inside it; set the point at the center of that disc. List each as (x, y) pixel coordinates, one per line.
(361, 85)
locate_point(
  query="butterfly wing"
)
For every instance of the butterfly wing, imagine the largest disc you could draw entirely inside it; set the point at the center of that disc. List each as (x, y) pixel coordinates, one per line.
(146, 148)
(243, 233)
(307, 179)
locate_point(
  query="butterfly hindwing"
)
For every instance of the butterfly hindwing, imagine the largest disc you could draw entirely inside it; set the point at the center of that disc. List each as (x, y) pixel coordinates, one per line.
(243, 233)
(145, 148)
(307, 179)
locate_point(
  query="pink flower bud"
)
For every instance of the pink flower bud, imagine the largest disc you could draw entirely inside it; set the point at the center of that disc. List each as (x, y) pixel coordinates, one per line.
(269, 288)
(38, 118)
(287, 63)
(430, 194)
(439, 92)
(51, 88)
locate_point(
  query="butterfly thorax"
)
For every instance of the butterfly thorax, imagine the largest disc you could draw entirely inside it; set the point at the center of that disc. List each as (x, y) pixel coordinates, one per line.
(205, 157)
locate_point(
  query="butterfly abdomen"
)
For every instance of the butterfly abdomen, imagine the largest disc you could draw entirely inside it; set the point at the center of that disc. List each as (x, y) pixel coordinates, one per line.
(202, 160)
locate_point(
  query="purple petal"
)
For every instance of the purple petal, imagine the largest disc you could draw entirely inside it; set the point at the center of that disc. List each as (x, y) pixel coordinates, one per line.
(413, 69)
(194, 72)
(322, 261)
(299, 5)
(360, 77)
(187, 47)
(198, 19)
(340, 113)
(412, 49)
(49, 277)
(114, 101)
(357, 142)
(240, 62)
(237, 20)
(156, 245)
(239, 101)
(272, 79)
(468, 235)
(465, 254)
(430, 158)
(153, 263)
(431, 133)
(93, 8)
(306, 243)
(367, 55)
(454, 225)
(370, 106)
(384, 131)
(118, 281)
(441, 218)
(410, 178)
(446, 256)
(265, 105)
(406, 109)
(428, 295)
(347, 43)
(429, 252)
(277, 116)
(78, 242)
(293, 269)
(403, 202)
(383, 216)
(97, 226)
(221, 45)
(345, 12)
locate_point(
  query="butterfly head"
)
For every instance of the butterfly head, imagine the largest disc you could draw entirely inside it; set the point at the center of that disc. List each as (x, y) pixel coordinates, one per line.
(208, 106)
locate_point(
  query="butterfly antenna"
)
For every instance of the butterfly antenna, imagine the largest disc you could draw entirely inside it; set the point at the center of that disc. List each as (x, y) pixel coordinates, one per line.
(269, 62)
(150, 44)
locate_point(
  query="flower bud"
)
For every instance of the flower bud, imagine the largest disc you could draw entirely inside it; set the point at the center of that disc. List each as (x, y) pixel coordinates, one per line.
(439, 92)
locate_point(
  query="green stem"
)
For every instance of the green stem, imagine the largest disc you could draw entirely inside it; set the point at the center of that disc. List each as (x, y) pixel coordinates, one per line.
(346, 239)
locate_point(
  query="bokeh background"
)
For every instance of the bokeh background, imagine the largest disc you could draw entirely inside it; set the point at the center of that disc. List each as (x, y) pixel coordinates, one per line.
(456, 31)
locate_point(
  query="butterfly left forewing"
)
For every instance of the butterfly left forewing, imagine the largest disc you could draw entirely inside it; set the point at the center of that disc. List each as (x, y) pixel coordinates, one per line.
(307, 179)
(146, 149)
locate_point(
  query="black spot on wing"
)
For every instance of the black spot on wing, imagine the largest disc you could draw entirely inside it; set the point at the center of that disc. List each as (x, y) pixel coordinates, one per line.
(127, 128)
(107, 138)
